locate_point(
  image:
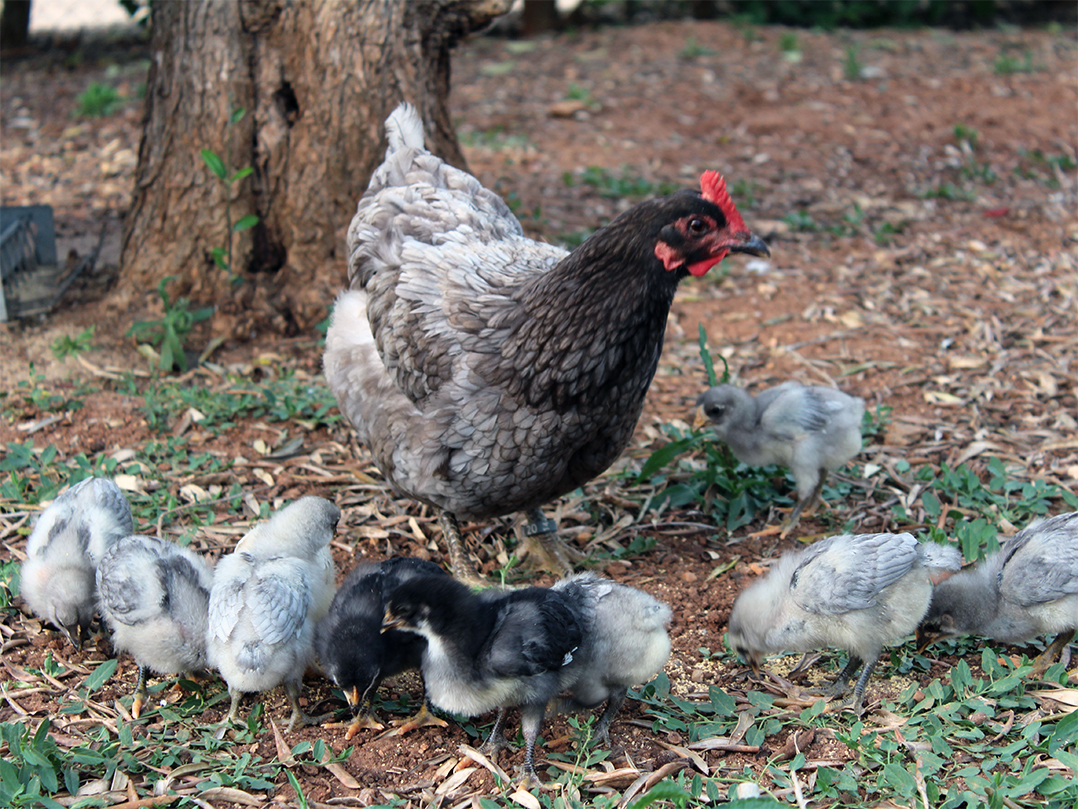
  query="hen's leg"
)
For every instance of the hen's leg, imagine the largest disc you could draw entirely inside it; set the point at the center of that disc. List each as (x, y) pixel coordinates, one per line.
(461, 567)
(544, 548)
(1052, 653)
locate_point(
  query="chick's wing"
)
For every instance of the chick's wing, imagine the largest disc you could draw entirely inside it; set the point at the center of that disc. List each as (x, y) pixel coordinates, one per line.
(847, 573)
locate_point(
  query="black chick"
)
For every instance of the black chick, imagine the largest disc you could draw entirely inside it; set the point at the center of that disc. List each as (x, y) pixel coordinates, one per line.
(491, 651)
(353, 650)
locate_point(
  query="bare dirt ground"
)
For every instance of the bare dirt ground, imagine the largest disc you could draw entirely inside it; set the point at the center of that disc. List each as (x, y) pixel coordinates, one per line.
(900, 273)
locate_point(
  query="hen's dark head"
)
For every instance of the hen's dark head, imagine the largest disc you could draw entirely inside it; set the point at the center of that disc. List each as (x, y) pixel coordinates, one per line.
(703, 228)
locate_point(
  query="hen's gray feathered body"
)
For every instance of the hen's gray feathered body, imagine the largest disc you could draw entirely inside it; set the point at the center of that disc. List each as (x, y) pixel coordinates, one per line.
(854, 592)
(68, 541)
(1028, 588)
(809, 429)
(154, 596)
(267, 596)
(487, 372)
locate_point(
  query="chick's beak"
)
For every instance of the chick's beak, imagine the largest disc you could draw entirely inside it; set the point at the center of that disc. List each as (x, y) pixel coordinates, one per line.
(924, 639)
(391, 621)
(353, 699)
(751, 244)
(700, 420)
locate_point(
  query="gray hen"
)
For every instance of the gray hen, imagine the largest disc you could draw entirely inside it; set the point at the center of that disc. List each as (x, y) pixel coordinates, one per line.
(624, 643)
(855, 592)
(155, 595)
(1029, 588)
(71, 536)
(267, 596)
(491, 651)
(489, 373)
(809, 429)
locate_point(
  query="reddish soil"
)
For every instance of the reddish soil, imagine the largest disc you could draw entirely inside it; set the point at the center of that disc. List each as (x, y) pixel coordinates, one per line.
(960, 314)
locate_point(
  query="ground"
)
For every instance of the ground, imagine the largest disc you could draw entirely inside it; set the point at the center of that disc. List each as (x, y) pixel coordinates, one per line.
(918, 192)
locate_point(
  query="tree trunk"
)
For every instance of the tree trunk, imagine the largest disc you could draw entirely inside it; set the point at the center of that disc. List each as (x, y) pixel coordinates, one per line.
(317, 79)
(14, 24)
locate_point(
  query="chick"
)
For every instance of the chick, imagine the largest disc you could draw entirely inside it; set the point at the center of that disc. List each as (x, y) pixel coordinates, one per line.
(64, 548)
(1028, 588)
(267, 596)
(155, 595)
(490, 651)
(624, 643)
(353, 650)
(854, 592)
(809, 429)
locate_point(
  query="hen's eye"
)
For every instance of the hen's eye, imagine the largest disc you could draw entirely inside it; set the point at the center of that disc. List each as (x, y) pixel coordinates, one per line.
(697, 225)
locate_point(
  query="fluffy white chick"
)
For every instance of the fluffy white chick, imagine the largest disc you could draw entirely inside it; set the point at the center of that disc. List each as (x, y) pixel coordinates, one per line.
(154, 596)
(267, 596)
(625, 643)
(70, 537)
(855, 592)
(811, 430)
(1028, 588)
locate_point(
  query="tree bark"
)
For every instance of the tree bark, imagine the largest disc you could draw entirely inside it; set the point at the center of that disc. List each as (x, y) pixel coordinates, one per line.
(15, 24)
(317, 79)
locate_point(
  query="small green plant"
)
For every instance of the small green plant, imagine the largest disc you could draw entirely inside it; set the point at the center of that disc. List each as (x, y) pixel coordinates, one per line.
(620, 186)
(98, 101)
(495, 139)
(1008, 64)
(693, 49)
(851, 65)
(65, 346)
(800, 221)
(32, 770)
(222, 256)
(171, 330)
(948, 191)
(1036, 165)
(577, 92)
(885, 233)
(788, 42)
(874, 423)
(968, 135)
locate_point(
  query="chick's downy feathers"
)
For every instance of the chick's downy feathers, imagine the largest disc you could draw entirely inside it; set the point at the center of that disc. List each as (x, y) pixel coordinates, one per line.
(807, 428)
(154, 595)
(489, 373)
(1026, 589)
(68, 541)
(267, 596)
(854, 592)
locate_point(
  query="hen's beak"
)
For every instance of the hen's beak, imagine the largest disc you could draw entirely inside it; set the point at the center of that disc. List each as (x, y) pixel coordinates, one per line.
(391, 621)
(753, 245)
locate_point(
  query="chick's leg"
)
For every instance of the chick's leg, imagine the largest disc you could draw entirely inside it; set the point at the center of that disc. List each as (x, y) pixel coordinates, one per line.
(423, 718)
(531, 722)
(862, 681)
(233, 708)
(807, 506)
(140, 692)
(544, 549)
(1052, 653)
(613, 705)
(841, 684)
(496, 740)
(462, 568)
(292, 689)
(362, 714)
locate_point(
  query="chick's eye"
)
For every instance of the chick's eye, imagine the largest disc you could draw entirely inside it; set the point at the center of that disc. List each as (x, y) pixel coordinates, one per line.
(697, 225)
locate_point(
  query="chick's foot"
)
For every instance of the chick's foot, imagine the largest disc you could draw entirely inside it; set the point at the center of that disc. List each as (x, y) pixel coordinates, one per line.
(423, 718)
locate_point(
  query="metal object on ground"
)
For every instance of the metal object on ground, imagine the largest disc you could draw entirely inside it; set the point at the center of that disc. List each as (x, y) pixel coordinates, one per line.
(31, 276)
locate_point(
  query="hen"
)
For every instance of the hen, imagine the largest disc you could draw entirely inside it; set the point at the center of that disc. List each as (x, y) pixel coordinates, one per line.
(489, 373)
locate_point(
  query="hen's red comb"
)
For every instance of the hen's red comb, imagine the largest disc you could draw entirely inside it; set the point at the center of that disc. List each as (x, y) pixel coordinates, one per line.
(713, 186)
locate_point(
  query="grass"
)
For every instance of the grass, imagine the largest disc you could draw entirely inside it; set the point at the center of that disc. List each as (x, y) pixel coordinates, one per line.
(981, 736)
(495, 139)
(98, 101)
(624, 185)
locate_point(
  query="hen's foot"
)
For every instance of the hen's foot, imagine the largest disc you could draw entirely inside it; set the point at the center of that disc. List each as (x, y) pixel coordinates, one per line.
(543, 549)
(459, 564)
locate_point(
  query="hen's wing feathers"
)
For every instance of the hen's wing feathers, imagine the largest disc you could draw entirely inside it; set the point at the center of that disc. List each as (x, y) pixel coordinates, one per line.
(847, 573)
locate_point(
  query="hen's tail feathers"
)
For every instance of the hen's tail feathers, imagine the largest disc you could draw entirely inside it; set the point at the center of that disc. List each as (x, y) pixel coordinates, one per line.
(404, 128)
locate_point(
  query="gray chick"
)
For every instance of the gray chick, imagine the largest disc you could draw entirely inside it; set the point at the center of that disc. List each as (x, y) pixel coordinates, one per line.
(624, 643)
(1028, 588)
(855, 592)
(155, 595)
(811, 430)
(71, 536)
(267, 596)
